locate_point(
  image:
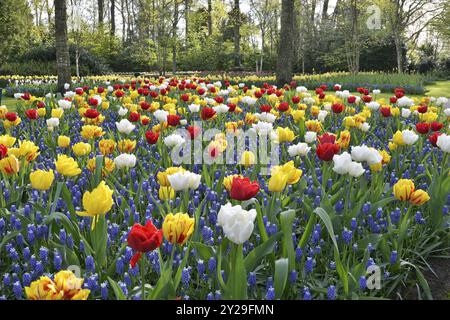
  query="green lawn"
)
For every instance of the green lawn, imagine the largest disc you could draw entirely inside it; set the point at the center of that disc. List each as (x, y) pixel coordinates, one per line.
(439, 89)
(8, 102)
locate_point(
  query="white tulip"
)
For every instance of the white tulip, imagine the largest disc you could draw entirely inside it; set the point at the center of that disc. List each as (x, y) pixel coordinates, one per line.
(122, 111)
(447, 112)
(18, 95)
(221, 108)
(310, 136)
(405, 102)
(64, 104)
(301, 89)
(125, 126)
(249, 100)
(299, 149)
(322, 115)
(441, 101)
(125, 160)
(355, 169)
(443, 142)
(237, 223)
(376, 91)
(183, 180)
(364, 127)
(342, 163)
(174, 140)
(409, 137)
(52, 122)
(66, 86)
(194, 107)
(161, 115)
(267, 117)
(406, 113)
(69, 94)
(364, 153)
(373, 105)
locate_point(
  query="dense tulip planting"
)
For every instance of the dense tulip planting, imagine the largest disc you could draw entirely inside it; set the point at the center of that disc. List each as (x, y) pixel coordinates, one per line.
(121, 191)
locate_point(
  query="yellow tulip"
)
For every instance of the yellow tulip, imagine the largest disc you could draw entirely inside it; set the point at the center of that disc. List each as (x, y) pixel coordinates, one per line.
(166, 193)
(91, 132)
(106, 146)
(42, 180)
(398, 138)
(57, 113)
(344, 139)
(127, 145)
(28, 150)
(285, 135)
(97, 202)
(419, 197)
(277, 181)
(9, 165)
(108, 167)
(66, 286)
(403, 189)
(63, 141)
(67, 166)
(247, 158)
(7, 140)
(178, 228)
(81, 149)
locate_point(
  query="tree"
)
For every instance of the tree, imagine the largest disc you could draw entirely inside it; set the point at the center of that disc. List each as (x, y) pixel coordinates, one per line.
(236, 22)
(62, 48)
(101, 9)
(113, 18)
(285, 49)
(15, 19)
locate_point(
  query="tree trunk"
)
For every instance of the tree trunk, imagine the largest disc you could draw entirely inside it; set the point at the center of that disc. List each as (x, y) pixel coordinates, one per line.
(113, 18)
(209, 17)
(284, 61)
(124, 22)
(62, 48)
(186, 25)
(174, 37)
(100, 4)
(324, 10)
(236, 34)
(398, 50)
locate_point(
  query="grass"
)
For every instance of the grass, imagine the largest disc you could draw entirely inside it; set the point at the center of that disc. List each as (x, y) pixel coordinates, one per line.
(438, 89)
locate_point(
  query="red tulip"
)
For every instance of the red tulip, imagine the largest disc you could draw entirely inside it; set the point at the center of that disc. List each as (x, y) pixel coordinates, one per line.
(3, 151)
(79, 91)
(295, 99)
(143, 239)
(194, 131)
(258, 94)
(120, 93)
(433, 138)
(151, 137)
(243, 189)
(385, 111)
(326, 151)
(31, 114)
(393, 99)
(337, 107)
(40, 104)
(207, 113)
(153, 94)
(93, 102)
(201, 91)
(283, 106)
(327, 138)
(173, 120)
(319, 90)
(100, 90)
(91, 113)
(422, 127)
(351, 99)
(422, 109)
(231, 107)
(145, 105)
(337, 87)
(265, 108)
(11, 116)
(366, 98)
(134, 117)
(185, 97)
(436, 126)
